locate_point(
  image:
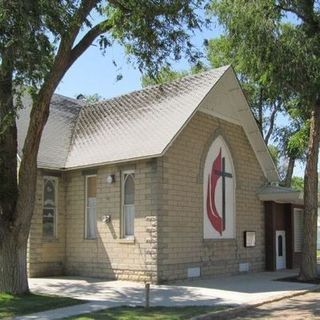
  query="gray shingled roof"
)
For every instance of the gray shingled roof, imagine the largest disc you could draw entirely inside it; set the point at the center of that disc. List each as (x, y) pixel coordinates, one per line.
(138, 125)
(57, 134)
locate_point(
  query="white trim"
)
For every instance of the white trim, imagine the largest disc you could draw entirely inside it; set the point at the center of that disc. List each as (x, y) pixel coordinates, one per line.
(294, 197)
(86, 206)
(56, 202)
(122, 220)
(219, 140)
(220, 116)
(281, 262)
(198, 107)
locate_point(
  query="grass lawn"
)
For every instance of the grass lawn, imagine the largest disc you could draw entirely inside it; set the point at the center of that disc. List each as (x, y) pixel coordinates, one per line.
(154, 313)
(13, 305)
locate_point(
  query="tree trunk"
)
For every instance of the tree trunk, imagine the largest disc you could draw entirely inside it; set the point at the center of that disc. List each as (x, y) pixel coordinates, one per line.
(13, 264)
(16, 207)
(288, 179)
(308, 268)
(260, 111)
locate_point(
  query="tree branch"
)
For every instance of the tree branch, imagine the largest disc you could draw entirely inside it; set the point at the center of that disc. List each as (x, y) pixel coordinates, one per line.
(272, 119)
(294, 11)
(260, 106)
(87, 40)
(79, 17)
(116, 3)
(64, 58)
(307, 16)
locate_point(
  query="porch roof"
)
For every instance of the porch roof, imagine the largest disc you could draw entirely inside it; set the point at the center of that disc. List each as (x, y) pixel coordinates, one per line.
(280, 194)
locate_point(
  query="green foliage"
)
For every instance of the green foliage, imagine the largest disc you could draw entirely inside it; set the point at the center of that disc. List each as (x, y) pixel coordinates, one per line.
(154, 313)
(264, 97)
(154, 31)
(281, 53)
(15, 305)
(275, 154)
(39, 37)
(166, 74)
(297, 183)
(277, 62)
(91, 98)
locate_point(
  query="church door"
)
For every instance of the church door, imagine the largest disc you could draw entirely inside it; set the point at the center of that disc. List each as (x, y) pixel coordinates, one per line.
(280, 250)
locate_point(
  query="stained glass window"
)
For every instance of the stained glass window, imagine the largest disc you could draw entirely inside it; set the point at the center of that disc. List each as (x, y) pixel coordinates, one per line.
(49, 207)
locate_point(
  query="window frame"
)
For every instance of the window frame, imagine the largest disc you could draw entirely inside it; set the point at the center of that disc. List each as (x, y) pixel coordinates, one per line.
(122, 224)
(56, 202)
(86, 207)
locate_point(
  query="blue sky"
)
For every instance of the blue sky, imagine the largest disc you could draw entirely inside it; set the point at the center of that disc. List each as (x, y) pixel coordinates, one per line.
(95, 73)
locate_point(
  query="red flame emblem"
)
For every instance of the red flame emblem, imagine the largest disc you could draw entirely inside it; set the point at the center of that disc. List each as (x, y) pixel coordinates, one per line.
(212, 212)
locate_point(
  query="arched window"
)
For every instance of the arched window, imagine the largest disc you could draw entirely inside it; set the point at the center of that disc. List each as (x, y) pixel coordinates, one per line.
(91, 204)
(219, 192)
(128, 211)
(49, 215)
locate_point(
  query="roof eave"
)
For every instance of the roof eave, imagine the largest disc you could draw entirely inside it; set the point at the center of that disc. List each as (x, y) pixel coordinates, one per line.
(294, 197)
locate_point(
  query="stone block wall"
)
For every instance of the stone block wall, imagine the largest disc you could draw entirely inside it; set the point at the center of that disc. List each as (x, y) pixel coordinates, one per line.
(46, 257)
(180, 223)
(168, 215)
(109, 255)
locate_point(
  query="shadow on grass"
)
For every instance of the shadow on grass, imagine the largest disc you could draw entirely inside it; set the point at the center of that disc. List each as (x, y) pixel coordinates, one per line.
(14, 305)
(299, 307)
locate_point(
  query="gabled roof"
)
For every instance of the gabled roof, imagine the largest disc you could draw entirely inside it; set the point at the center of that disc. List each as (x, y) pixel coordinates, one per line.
(142, 124)
(57, 134)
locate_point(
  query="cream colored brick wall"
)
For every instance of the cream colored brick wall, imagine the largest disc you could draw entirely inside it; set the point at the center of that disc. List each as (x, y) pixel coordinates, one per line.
(169, 215)
(109, 255)
(46, 257)
(180, 224)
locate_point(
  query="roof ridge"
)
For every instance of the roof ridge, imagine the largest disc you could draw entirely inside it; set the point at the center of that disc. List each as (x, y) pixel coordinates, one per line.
(77, 101)
(151, 87)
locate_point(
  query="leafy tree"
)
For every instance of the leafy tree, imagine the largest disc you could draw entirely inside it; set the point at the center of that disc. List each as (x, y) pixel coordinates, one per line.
(275, 154)
(287, 54)
(166, 74)
(39, 42)
(267, 100)
(297, 183)
(263, 96)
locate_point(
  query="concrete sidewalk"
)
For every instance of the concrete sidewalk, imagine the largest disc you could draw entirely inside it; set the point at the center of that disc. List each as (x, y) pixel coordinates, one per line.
(237, 290)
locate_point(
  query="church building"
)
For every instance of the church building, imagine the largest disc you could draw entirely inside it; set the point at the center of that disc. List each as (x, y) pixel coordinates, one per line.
(169, 182)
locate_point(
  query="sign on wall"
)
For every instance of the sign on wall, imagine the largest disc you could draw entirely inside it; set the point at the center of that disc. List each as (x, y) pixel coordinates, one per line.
(218, 193)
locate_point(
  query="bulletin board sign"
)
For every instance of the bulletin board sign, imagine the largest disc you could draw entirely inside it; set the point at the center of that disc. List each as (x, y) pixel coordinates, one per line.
(249, 239)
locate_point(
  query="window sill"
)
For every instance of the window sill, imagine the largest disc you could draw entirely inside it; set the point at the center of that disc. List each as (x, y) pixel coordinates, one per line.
(127, 240)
